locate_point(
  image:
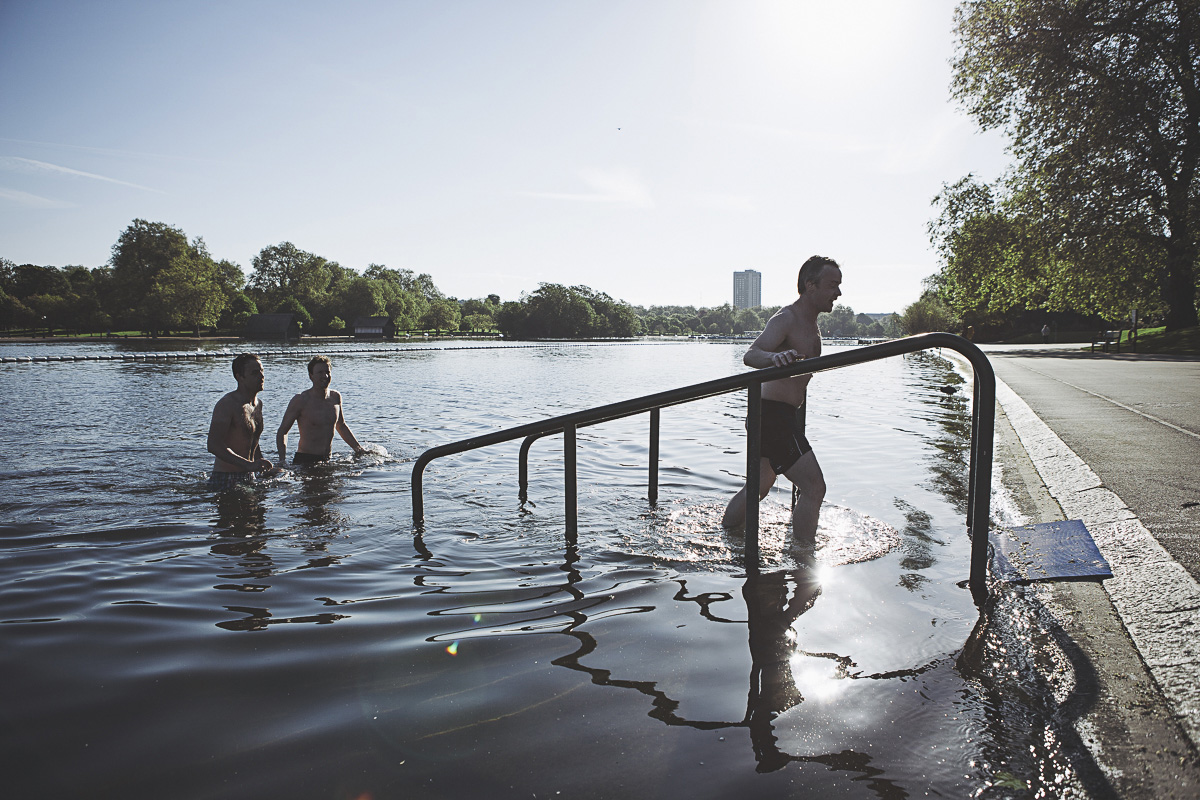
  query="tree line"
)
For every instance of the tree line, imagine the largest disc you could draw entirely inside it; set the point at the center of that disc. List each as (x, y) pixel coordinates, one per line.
(157, 280)
(556, 311)
(1100, 211)
(726, 320)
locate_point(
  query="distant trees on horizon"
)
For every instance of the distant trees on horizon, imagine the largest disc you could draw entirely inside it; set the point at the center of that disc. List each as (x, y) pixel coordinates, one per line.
(727, 320)
(157, 280)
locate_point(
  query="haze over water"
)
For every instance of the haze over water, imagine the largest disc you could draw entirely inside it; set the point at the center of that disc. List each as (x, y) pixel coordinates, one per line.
(303, 640)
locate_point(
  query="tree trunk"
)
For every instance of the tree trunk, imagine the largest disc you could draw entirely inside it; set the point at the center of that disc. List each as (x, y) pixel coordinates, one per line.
(1179, 290)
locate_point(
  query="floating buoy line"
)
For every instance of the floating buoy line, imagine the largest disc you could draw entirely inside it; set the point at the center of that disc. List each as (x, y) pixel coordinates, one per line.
(304, 352)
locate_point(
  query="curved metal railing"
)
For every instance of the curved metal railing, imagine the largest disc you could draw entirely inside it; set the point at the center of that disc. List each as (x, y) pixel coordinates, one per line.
(983, 419)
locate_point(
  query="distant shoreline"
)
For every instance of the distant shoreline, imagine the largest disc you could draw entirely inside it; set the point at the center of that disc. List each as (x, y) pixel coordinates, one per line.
(220, 339)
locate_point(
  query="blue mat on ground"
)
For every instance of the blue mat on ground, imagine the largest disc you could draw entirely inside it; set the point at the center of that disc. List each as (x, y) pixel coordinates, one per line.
(1047, 551)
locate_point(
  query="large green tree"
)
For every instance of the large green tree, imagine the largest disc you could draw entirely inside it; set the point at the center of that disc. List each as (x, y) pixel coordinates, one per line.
(479, 315)
(993, 261)
(560, 312)
(555, 311)
(191, 292)
(442, 315)
(928, 314)
(143, 250)
(284, 271)
(1101, 100)
(610, 317)
(406, 295)
(364, 297)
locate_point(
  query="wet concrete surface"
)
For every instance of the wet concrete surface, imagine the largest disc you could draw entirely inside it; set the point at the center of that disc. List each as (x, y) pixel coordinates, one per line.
(1138, 747)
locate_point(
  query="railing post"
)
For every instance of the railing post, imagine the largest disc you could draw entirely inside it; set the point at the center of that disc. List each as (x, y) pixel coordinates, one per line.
(418, 488)
(523, 469)
(753, 468)
(418, 494)
(569, 485)
(974, 453)
(652, 492)
(983, 431)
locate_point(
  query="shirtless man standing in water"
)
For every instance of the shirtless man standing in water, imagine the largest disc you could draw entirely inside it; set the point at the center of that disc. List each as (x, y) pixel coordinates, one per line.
(789, 336)
(319, 412)
(237, 422)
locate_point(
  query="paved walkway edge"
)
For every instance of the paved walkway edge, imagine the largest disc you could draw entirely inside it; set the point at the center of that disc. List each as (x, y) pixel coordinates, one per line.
(1156, 599)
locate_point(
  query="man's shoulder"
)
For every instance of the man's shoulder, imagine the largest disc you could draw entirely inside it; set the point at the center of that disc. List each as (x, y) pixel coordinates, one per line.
(229, 399)
(786, 316)
(232, 404)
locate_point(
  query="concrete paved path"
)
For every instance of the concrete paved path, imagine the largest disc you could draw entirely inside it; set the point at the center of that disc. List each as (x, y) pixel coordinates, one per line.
(1134, 419)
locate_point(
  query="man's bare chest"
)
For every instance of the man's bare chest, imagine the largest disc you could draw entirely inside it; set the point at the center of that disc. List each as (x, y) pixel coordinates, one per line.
(249, 419)
(319, 412)
(807, 344)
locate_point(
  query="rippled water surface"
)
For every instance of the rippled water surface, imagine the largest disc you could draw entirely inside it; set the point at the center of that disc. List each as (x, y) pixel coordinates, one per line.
(304, 640)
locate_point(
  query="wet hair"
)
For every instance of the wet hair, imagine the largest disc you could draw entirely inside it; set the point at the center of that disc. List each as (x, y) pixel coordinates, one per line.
(319, 360)
(240, 362)
(810, 271)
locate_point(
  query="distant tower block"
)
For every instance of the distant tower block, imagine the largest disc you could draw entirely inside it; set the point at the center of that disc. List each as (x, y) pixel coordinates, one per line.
(747, 289)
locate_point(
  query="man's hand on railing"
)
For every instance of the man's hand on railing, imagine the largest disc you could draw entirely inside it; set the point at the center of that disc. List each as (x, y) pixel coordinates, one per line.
(785, 357)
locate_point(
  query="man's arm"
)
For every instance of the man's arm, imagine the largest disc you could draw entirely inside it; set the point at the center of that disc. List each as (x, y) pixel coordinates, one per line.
(255, 450)
(766, 350)
(289, 417)
(344, 430)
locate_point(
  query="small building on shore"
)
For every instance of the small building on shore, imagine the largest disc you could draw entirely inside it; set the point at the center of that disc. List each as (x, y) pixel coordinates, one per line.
(283, 327)
(373, 328)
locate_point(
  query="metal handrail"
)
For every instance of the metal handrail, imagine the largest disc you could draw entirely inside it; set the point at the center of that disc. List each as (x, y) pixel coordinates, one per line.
(983, 420)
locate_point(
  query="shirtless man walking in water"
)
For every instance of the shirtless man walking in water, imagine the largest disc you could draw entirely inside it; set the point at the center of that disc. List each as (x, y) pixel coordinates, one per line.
(237, 422)
(789, 336)
(319, 412)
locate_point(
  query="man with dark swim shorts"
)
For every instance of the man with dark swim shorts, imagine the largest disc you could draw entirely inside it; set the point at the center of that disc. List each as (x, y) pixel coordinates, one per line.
(318, 411)
(790, 335)
(237, 423)
(782, 431)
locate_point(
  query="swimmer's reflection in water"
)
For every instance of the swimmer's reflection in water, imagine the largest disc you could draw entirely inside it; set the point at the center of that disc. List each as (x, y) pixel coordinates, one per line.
(317, 503)
(242, 534)
(774, 601)
(241, 513)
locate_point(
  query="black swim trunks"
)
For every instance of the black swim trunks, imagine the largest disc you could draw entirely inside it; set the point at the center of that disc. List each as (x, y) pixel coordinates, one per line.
(782, 440)
(303, 459)
(220, 481)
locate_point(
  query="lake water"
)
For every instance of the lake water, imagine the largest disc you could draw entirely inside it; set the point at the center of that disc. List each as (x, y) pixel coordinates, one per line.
(304, 640)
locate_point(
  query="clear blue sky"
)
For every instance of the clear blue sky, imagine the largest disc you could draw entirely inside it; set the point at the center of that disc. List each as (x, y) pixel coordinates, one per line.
(647, 149)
